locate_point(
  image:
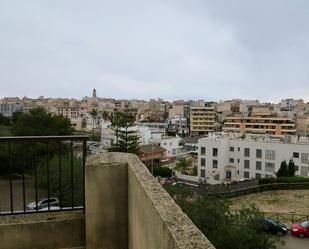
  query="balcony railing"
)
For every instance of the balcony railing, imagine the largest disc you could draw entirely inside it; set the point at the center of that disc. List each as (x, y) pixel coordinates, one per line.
(42, 173)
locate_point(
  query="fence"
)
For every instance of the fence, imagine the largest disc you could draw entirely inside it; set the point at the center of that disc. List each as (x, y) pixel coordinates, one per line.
(231, 187)
(287, 217)
(239, 191)
(47, 172)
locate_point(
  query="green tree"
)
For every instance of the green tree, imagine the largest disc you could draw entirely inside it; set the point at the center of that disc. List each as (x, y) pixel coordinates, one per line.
(183, 164)
(118, 120)
(37, 122)
(6, 121)
(283, 170)
(105, 115)
(65, 180)
(291, 168)
(16, 115)
(224, 227)
(94, 115)
(126, 138)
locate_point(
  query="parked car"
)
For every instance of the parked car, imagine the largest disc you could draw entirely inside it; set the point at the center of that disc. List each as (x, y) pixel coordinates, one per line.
(271, 226)
(51, 208)
(43, 203)
(301, 229)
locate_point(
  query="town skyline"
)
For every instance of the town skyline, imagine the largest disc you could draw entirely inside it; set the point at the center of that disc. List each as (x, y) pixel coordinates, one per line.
(261, 101)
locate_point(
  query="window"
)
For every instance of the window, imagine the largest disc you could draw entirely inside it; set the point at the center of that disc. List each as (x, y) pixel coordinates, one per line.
(231, 148)
(295, 154)
(238, 148)
(215, 163)
(270, 155)
(202, 173)
(203, 150)
(269, 167)
(246, 164)
(258, 153)
(247, 152)
(296, 168)
(231, 160)
(215, 152)
(258, 176)
(246, 174)
(203, 162)
(304, 157)
(258, 165)
(238, 160)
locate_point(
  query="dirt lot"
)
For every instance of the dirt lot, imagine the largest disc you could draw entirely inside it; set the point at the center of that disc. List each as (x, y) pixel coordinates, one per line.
(281, 201)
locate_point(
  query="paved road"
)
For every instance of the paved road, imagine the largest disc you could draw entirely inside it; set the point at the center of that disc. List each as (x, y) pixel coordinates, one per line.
(292, 242)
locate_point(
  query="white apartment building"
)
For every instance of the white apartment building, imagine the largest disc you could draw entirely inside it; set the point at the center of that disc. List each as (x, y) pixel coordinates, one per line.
(170, 144)
(232, 158)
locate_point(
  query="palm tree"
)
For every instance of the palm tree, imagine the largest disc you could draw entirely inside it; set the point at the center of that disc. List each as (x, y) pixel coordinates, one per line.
(93, 114)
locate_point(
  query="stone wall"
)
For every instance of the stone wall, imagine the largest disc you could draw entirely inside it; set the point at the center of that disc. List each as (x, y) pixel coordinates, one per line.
(126, 208)
(42, 230)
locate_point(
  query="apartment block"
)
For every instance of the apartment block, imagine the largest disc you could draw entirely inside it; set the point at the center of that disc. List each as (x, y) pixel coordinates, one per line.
(71, 112)
(303, 124)
(202, 120)
(233, 158)
(260, 125)
(8, 109)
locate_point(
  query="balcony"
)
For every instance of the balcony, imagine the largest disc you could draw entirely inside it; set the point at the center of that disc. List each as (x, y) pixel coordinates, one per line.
(125, 207)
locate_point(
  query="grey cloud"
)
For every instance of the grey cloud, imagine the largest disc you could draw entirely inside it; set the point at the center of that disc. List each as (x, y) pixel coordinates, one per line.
(172, 49)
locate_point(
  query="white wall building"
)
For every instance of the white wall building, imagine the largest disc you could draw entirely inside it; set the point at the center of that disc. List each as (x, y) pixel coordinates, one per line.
(170, 144)
(228, 158)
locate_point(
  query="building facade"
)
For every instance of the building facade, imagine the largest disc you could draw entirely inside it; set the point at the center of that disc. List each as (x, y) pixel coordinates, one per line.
(260, 125)
(233, 158)
(202, 120)
(303, 124)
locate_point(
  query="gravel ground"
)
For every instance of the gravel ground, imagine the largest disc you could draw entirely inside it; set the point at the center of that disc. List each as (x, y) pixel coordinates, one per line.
(281, 201)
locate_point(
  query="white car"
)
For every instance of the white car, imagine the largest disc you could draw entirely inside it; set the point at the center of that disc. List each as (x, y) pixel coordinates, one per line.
(43, 203)
(51, 208)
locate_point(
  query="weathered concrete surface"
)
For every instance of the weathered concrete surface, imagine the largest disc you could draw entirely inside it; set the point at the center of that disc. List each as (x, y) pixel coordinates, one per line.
(42, 231)
(153, 221)
(106, 205)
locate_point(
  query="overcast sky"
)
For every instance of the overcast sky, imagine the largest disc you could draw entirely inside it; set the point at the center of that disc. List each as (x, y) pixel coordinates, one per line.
(182, 49)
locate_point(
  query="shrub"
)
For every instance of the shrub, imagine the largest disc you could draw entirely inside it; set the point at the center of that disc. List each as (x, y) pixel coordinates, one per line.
(66, 184)
(162, 171)
(267, 181)
(293, 179)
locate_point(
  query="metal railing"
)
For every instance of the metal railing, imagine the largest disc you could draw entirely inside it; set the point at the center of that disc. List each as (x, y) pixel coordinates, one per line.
(47, 172)
(288, 217)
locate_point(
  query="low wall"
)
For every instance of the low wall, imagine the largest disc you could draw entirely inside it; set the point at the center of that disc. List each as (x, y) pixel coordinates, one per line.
(187, 177)
(42, 231)
(120, 191)
(260, 188)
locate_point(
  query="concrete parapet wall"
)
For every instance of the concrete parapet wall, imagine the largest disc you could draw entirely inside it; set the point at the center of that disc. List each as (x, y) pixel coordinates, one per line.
(42, 231)
(140, 213)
